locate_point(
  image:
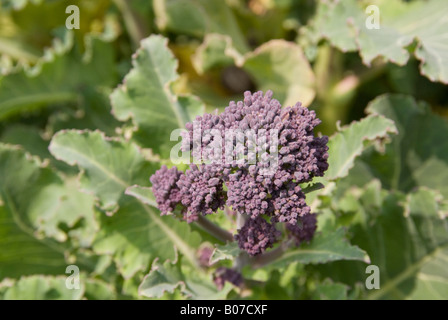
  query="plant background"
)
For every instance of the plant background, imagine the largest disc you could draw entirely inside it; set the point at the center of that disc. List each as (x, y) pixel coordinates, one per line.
(85, 119)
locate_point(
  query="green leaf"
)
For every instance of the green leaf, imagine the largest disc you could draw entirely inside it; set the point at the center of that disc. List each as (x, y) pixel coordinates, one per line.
(144, 194)
(343, 23)
(29, 137)
(325, 247)
(424, 201)
(40, 207)
(3, 287)
(136, 233)
(24, 253)
(273, 289)
(39, 287)
(216, 50)
(277, 65)
(93, 113)
(351, 141)
(31, 24)
(109, 165)
(417, 156)
(311, 187)
(23, 180)
(146, 97)
(328, 290)
(17, 4)
(99, 290)
(63, 204)
(54, 203)
(59, 77)
(282, 67)
(34, 141)
(198, 18)
(410, 252)
(168, 277)
(161, 279)
(229, 251)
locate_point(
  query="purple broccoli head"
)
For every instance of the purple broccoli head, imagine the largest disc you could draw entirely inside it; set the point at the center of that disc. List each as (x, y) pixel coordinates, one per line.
(304, 231)
(237, 150)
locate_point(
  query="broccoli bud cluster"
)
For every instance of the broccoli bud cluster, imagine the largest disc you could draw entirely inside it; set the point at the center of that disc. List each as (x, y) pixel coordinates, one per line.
(223, 275)
(256, 235)
(303, 232)
(248, 184)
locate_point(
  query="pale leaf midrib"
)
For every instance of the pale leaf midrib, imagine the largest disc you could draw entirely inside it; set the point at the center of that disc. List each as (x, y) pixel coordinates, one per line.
(178, 242)
(143, 198)
(432, 278)
(165, 88)
(314, 252)
(95, 163)
(9, 48)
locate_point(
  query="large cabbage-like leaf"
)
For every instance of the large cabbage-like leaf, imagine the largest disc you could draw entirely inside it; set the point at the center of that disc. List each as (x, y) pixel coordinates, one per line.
(347, 144)
(410, 251)
(418, 155)
(281, 66)
(169, 276)
(109, 165)
(23, 182)
(325, 247)
(343, 23)
(198, 18)
(59, 77)
(277, 65)
(146, 97)
(136, 233)
(39, 287)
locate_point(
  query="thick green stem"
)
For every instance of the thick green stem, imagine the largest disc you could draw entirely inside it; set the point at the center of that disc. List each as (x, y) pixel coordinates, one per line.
(270, 256)
(136, 27)
(344, 90)
(243, 258)
(322, 70)
(214, 230)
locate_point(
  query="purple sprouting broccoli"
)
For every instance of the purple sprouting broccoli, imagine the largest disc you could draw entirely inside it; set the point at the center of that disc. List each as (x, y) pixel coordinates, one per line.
(204, 254)
(202, 190)
(304, 231)
(253, 159)
(257, 235)
(197, 191)
(223, 274)
(165, 189)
